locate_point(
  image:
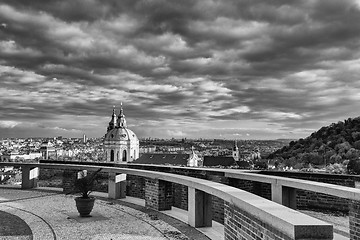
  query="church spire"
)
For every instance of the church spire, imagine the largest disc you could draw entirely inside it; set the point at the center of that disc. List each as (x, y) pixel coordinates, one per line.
(121, 118)
(235, 146)
(112, 123)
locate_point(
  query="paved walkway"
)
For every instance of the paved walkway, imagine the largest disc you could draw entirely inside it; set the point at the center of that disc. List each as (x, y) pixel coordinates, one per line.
(35, 214)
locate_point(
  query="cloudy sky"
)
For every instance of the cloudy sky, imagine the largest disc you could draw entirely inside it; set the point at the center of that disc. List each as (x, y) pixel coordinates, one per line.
(235, 69)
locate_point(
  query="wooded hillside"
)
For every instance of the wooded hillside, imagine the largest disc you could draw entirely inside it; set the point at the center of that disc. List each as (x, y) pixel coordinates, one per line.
(332, 144)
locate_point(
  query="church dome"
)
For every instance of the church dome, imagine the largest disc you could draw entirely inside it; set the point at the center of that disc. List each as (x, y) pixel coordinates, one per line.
(120, 134)
(120, 143)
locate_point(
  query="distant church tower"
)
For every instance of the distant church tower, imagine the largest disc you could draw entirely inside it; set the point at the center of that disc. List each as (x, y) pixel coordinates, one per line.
(120, 143)
(235, 153)
(194, 160)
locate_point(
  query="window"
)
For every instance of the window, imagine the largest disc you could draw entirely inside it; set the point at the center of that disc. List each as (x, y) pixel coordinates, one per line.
(124, 156)
(112, 156)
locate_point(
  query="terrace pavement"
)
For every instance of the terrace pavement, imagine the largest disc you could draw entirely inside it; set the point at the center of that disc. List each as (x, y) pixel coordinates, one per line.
(49, 214)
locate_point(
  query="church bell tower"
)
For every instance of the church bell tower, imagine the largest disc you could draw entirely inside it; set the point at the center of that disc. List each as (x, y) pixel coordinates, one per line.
(235, 152)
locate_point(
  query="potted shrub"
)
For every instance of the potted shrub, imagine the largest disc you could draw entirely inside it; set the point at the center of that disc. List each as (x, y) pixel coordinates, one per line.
(85, 186)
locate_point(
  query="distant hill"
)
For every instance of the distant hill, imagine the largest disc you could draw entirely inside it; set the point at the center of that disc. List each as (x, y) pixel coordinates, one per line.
(332, 144)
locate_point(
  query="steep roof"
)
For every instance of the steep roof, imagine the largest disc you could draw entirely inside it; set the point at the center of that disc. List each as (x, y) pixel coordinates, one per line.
(163, 158)
(210, 161)
(243, 164)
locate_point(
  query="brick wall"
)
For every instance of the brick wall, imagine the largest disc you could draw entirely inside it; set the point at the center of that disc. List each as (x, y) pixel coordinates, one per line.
(158, 194)
(180, 196)
(180, 192)
(242, 184)
(69, 177)
(49, 174)
(50, 178)
(354, 220)
(312, 200)
(102, 181)
(135, 186)
(218, 203)
(239, 225)
(257, 188)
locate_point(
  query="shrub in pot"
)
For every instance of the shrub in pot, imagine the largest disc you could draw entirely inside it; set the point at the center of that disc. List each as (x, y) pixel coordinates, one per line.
(84, 186)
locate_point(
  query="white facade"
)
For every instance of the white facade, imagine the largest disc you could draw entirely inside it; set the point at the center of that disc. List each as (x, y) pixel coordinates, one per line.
(120, 143)
(194, 160)
(235, 152)
(47, 150)
(12, 157)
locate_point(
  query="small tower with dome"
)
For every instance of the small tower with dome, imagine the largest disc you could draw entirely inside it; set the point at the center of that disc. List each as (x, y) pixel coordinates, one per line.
(121, 145)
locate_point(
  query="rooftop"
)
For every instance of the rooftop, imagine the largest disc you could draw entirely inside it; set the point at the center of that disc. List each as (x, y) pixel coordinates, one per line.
(163, 158)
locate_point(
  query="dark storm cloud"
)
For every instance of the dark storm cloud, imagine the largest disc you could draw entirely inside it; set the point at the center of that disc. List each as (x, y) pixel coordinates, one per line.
(71, 11)
(295, 63)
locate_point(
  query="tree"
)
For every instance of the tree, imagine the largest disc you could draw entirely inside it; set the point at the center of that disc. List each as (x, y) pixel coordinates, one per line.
(357, 144)
(336, 158)
(327, 155)
(312, 158)
(353, 167)
(342, 148)
(290, 162)
(352, 154)
(355, 136)
(260, 165)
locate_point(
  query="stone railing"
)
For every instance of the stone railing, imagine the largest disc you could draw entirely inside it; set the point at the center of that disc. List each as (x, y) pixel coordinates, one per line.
(246, 216)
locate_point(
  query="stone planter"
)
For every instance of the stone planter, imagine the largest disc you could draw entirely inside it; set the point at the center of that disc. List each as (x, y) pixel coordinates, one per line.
(84, 205)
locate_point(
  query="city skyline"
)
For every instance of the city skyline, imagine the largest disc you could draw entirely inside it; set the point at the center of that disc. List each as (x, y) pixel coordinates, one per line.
(182, 69)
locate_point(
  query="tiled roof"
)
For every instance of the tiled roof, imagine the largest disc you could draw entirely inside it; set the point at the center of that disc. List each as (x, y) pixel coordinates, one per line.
(243, 164)
(219, 161)
(163, 158)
